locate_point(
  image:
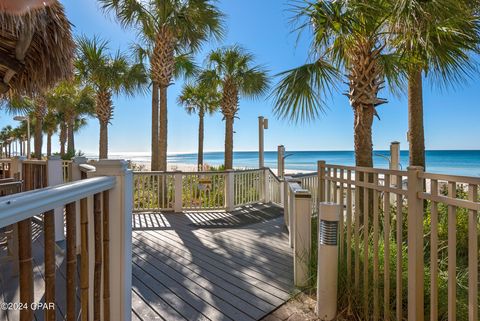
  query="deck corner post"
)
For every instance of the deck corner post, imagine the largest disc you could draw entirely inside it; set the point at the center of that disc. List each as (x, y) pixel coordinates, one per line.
(16, 167)
(321, 181)
(178, 184)
(266, 185)
(229, 190)
(120, 238)
(55, 177)
(415, 245)
(302, 242)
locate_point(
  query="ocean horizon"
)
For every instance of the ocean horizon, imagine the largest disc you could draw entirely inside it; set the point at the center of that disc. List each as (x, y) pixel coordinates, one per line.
(453, 162)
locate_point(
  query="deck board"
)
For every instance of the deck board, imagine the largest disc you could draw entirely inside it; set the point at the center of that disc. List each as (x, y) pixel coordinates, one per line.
(207, 266)
(225, 273)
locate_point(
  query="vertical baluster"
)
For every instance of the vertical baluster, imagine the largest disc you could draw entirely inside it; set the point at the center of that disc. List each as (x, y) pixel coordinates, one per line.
(97, 275)
(334, 186)
(49, 248)
(376, 263)
(434, 253)
(366, 222)
(349, 232)
(472, 256)
(357, 233)
(26, 268)
(399, 285)
(386, 257)
(452, 254)
(106, 255)
(71, 262)
(341, 222)
(84, 264)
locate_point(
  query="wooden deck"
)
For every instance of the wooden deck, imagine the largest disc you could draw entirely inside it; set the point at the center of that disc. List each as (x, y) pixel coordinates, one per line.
(193, 266)
(210, 266)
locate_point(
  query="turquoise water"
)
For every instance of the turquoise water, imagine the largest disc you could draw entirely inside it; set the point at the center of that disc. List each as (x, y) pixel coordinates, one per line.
(455, 162)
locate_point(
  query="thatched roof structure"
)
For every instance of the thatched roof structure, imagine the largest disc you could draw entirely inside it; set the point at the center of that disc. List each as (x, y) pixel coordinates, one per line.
(36, 50)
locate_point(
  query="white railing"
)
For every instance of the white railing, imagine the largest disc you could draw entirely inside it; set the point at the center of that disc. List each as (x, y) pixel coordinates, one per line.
(203, 190)
(153, 191)
(275, 189)
(247, 187)
(309, 182)
(215, 190)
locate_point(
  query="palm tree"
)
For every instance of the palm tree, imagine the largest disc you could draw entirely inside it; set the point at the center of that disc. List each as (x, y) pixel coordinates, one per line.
(70, 101)
(173, 28)
(199, 99)
(348, 39)
(232, 72)
(108, 75)
(435, 38)
(50, 127)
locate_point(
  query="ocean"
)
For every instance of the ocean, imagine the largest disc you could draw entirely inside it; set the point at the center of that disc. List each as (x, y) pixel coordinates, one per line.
(454, 162)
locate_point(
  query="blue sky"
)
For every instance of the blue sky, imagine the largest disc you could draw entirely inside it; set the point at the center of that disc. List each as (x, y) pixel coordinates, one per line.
(451, 116)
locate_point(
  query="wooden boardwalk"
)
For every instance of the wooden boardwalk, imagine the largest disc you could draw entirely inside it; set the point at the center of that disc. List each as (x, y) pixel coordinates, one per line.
(191, 266)
(210, 265)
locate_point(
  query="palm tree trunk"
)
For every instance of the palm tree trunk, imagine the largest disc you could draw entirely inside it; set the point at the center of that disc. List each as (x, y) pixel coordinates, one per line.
(155, 146)
(38, 137)
(416, 136)
(162, 139)
(103, 144)
(363, 136)
(229, 142)
(71, 136)
(49, 144)
(63, 138)
(201, 130)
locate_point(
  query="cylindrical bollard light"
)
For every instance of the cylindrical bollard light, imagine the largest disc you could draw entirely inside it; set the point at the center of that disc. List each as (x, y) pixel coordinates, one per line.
(327, 271)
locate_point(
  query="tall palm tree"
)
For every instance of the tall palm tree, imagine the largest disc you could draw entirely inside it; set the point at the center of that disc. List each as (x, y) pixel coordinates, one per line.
(173, 27)
(436, 39)
(71, 101)
(232, 72)
(199, 99)
(108, 75)
(50, 127)
(348, 39)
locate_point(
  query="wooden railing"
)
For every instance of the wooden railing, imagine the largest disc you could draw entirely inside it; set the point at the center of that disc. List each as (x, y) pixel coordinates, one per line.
(406, 236)
(153, 191)
(67, 171)
(247, 186)
(5, 168)
(20, 208)
(34, 174)
(214, 190)
(274, 188)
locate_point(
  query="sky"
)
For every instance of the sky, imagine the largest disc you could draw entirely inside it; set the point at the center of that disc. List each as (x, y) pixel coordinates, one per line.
(262, 27)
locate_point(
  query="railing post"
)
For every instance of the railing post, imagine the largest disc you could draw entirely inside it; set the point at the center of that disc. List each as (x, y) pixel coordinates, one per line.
(120, 238)
(302, 242)
(229, 190)
(394, 161)
(16, 167)
(415, 245)
(55, 177)
(76, 175)
(280, 161)
(178, 184)
(321, 181)
(286, 205)
(266, 185)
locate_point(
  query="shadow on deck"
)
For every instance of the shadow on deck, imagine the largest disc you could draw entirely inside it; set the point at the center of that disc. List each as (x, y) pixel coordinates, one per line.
(212, 265)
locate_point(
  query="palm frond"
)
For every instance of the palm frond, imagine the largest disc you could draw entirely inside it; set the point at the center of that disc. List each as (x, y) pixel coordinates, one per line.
(299, 94)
